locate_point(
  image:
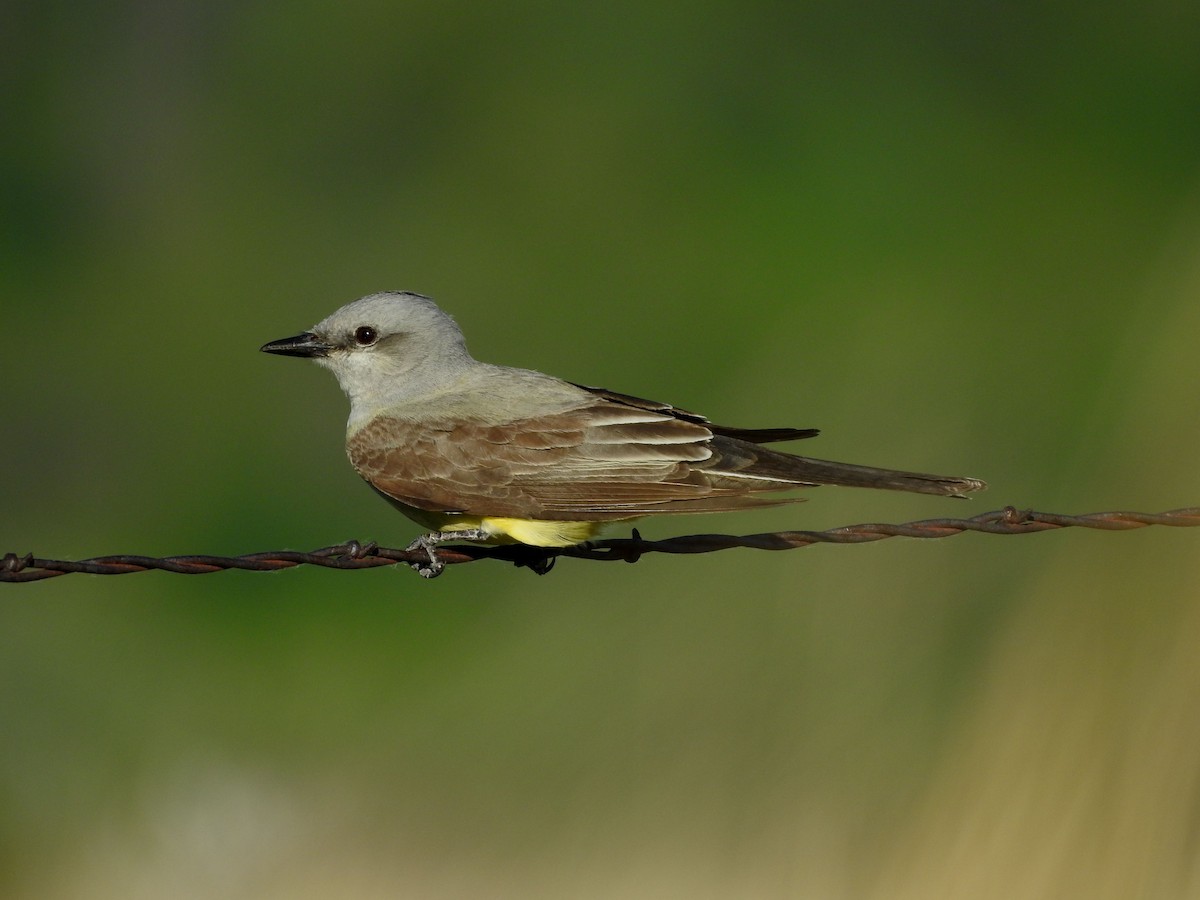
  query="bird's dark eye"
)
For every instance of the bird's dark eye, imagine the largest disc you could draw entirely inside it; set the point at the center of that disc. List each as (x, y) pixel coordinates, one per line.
(365, 335)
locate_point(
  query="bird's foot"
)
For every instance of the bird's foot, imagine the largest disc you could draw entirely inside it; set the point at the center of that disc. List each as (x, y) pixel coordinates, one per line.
(429, 542)
(540, 565)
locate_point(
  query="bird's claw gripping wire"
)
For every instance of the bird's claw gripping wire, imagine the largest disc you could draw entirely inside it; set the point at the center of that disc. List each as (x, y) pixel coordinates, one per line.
(427, 543)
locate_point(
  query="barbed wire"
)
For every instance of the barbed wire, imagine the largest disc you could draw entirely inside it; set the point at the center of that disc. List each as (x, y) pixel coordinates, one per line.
(15, 568)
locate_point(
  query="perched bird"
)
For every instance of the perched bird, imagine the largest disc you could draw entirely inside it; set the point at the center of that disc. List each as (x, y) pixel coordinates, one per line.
(494, 454)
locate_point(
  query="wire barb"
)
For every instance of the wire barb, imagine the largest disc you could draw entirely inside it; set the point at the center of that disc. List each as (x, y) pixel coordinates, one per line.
(15, 568)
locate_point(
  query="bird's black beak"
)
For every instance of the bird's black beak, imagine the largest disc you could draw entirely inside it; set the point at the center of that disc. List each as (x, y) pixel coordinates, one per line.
(307, 345)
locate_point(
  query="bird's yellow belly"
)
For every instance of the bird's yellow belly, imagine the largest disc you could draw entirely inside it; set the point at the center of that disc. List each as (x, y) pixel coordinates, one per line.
(503, 530)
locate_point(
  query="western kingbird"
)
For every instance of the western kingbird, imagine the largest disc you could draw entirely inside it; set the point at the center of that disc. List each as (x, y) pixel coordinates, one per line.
(494, 454)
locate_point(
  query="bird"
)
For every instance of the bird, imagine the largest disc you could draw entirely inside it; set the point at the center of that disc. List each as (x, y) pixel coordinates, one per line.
(493, 454)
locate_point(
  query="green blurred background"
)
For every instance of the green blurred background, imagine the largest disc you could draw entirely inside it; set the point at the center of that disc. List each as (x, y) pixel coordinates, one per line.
(957, 238)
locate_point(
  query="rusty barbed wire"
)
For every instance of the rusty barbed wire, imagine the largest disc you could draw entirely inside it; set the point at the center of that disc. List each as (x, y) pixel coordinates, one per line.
(15, 568)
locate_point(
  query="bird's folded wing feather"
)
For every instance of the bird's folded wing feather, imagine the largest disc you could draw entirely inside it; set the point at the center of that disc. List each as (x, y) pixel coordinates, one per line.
(603, 461)
(753, 435)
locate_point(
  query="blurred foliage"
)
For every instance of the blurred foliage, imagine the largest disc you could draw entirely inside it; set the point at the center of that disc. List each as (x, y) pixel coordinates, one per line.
(956, 238)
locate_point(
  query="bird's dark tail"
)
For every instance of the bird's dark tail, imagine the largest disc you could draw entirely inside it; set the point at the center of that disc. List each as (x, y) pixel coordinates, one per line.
(802, 470)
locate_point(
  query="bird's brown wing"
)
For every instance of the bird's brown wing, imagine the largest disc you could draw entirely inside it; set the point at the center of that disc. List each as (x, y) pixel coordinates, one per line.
(603, 461)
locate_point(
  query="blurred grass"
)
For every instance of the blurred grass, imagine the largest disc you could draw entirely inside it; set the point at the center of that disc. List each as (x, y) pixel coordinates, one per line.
(957, 239)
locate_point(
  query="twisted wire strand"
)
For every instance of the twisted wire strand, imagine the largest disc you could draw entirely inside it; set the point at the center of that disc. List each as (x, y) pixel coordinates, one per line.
(15, 568)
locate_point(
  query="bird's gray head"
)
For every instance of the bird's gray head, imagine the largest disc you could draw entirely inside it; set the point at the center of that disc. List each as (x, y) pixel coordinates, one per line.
(384, 348)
